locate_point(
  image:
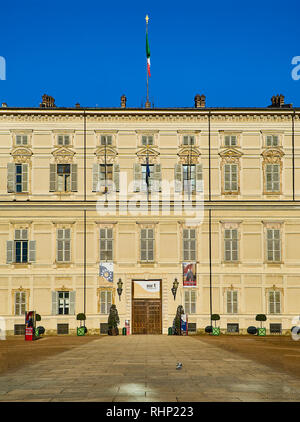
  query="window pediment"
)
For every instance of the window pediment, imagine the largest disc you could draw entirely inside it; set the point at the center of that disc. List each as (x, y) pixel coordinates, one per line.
(189, 155)
(230, 154)
(108, 151)
(21, 154)
(149, 152)
(272, 155)
(63, 155)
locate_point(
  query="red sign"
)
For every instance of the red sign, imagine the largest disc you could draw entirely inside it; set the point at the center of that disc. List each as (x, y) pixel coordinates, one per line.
(29, 334)
(189, 274)
(127, 325)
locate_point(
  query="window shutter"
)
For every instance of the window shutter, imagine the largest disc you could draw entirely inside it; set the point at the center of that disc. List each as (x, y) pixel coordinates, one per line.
(11, 177)
(52, 187)
(103, 140)
(102, 302)
(185, 140)
(9, 251)
(96, 170)
(60, 140)
(178, 178)
(109, 140)
(67, 139)
(74, 177)
(137, 170)
(24, 177)
(72, 302)
(116, 176)
(199, 178)
(235, 304)
(157, 178)
(32, 250)
(54, 303)
(109, 301)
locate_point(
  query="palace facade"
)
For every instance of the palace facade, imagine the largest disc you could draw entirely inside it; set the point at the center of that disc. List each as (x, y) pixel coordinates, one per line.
(84, 188)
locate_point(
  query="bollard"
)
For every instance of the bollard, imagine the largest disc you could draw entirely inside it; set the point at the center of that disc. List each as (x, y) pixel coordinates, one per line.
(170, 330)
(124, 331)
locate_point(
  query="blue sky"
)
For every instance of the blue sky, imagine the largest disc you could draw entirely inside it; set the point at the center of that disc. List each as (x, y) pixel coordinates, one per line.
(237, 53)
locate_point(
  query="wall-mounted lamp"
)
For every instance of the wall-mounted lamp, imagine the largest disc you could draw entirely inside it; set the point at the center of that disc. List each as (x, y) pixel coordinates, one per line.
(119, 289)
(175, 287)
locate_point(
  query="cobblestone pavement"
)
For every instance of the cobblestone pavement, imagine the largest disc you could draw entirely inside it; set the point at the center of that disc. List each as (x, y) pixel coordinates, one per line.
(143, 368)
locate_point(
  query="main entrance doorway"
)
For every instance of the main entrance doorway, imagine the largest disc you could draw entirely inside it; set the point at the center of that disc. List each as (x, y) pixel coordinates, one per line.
(146, 307)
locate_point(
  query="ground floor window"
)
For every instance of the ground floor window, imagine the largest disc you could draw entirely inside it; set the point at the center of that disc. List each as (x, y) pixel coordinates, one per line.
(103, 327)
(19, 329)
(63, 303)
(20, 303)
(232, 328)
(62, 328)
(190, 302)
(105, 301)
(275, 328)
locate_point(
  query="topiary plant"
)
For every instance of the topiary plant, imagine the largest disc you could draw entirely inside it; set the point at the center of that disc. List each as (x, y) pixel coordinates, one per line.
(177, 320)
(38, 317)
(215, 317)
(113, 321)
(261, 318)
(81, 317)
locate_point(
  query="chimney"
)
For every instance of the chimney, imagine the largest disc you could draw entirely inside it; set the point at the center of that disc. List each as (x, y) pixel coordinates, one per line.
(77, 105)
(4, 105)
(199, 101)
(278, 102)
(148, 104)
(47, 101)
(281, 100)
(123, 101)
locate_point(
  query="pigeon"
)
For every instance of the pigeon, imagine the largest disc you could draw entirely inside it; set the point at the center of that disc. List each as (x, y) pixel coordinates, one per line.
(179, 365)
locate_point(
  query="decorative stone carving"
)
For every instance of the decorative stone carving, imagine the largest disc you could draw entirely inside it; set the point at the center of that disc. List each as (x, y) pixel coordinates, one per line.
(230, 155)
(189, 155)
(110, 153)
(272, 155)
(21, 155)
(63, 155)
(151, 152)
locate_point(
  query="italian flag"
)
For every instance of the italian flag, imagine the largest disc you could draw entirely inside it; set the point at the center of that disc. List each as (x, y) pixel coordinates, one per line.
(148, 54)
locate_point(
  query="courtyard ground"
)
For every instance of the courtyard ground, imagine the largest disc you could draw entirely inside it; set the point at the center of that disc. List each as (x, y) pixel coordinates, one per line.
(143, 368)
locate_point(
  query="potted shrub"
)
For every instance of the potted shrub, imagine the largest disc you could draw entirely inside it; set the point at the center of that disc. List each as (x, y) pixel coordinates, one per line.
(177, 321)
(261, 330)
(37, 331)
(81, 330)
(113, 321)
(215, 329)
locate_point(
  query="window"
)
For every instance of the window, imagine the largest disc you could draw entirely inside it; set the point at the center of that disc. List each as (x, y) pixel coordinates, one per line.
(63, 303)
(20, 303)
(106, 244)
(106, 175)
(150, 177)
(192, 327)
(272, 177)
(188, 178)
(19, 329)
(147, 244)
(232, 328)
(273, 245)
(103, 327)
(21, 140)
(63, 245)
(230, 177)
(272, 141)
(20, 250)
(275, 328)
(63, 178)
(21, 246)
(147, 140)
(189, 245)
(105, 301)
(188, 140)
(230, 140)
(190, 302)
(106, 140)
(63, 140)
(232, 302)
(231, 244)
(17, 177)
(274, 302)
(140, 177)
(62, 328)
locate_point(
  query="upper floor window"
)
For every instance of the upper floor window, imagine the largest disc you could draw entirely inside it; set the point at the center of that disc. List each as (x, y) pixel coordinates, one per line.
(272, 177)
(20, 303)
(273, 245)
(230, 177)
(189, 245)
(106, 140)
(106, 175)
(63, 302)
(63, 245)
(231, 244)
(21, 140)
(17, 177)
(106, 244)
(63, 140)
(147, 244)
(272, 140)
(188, 178)
(188, 140)
(63, 177)
(230, 140)
(147, 177)
(20, 250)
(232, 302)
(274, 302)
(147, 140)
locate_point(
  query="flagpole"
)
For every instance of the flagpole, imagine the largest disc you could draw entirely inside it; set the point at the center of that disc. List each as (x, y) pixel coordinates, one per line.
(147, 101)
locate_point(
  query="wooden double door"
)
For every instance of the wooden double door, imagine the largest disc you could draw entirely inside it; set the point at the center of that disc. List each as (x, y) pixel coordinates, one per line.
(146, 316)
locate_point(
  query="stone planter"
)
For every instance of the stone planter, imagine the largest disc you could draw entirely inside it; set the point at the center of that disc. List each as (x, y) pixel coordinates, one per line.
(80, 331)
(215, 331)
(261, 331)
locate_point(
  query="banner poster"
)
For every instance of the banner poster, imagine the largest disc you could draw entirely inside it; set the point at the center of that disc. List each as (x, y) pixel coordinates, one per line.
(146, 289)
(189, 274)
(127, 326)
(184, 324)
(106, 271)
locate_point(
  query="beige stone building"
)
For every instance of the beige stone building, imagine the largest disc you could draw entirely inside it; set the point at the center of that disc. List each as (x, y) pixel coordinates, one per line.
(240, 167)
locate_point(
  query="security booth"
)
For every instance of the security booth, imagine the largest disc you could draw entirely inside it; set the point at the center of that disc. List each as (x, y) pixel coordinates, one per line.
(30, 321)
